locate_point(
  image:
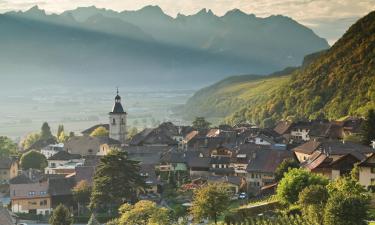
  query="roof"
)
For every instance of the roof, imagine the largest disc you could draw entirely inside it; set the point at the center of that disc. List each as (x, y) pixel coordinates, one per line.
(38, 145)
(369, 161)
(61, 186)
(64, 155)
(163, 134)
(27, 177)
(85, 173)
(199, 162)
(282, 127)
(266, 161)
(334, 147)
(191, 135)
(6, 163)
(88, 131)
(219, 160)
(308, 147)
(6, 217)
(323, 160)
(172, 156)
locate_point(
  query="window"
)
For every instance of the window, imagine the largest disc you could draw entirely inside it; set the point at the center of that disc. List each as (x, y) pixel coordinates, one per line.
(90, 151)
(43, 202)
(113, 121)
(122, 121)
(372, 170)
(31, 193)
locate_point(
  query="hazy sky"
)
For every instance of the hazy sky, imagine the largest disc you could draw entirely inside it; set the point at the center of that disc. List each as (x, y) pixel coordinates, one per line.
(328, 18)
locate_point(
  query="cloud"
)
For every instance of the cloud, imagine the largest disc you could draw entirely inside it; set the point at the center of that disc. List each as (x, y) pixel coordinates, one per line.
(329, 18)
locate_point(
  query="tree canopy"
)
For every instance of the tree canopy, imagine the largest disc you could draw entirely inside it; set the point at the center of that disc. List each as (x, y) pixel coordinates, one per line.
(116, 180)
(61, 216)
(29, 140)
(33, 159)
(46, 132)
(100, 132)
(294, 181)
(200, 123)
(7, 147)
(312, 200)
(368, 128)
(144, 212)
(210, 201)
(284, 167)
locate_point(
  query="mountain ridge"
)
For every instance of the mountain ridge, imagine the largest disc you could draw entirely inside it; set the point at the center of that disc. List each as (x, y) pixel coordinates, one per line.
(330, 84)
(134, 47)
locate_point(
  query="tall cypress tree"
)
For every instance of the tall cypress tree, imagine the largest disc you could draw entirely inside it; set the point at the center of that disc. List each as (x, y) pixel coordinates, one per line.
(368, 128)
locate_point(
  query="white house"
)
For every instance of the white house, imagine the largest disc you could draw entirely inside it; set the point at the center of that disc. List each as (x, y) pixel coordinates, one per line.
(51, 150)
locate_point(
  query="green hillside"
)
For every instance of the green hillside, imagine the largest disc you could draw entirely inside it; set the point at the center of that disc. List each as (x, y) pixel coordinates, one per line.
(332, 84)
(227, 96)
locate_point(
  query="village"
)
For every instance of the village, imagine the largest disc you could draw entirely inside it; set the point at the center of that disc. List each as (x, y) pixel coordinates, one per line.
(175, 160)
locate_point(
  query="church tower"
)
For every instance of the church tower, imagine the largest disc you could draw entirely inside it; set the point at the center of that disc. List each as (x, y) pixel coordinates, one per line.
(117, 121)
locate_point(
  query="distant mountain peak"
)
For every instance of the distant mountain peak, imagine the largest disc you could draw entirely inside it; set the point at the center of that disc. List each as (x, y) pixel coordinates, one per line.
(152, 9)
(35, 10)
(204, 12)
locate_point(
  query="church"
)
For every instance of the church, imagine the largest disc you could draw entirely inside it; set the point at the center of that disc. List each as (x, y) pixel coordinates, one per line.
(88, 145)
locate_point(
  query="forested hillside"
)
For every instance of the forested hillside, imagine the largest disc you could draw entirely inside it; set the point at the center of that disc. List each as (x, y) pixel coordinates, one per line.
(338, 82)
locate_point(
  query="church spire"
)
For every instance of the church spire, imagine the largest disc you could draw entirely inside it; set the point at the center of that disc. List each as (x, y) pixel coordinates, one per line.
(117, 107)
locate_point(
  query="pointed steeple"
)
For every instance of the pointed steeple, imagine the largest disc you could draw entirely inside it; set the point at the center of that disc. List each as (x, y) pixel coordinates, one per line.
(117, 107)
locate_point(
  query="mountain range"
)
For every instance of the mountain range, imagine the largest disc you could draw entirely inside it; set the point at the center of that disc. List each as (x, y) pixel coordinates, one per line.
(330, 84)
(91, 46)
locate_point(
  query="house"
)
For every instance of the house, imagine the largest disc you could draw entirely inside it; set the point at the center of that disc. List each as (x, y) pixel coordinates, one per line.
(87, 170)
(262, 165)
(233, 182)
(330, 165)
(87, 145)
(8, 169)
(36, 193)
(29, 193)
(172, 160)
(198, 164)
(220, 165)
(367, 171)
(153, 183)
(42, 143)
(63, 163)
(303, 131)
(348, 126)
(331, 147)
(166, 134)
(52, 149)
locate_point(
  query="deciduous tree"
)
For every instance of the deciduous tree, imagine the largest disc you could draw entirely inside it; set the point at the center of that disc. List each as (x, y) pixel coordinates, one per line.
(210, 201)
(284, 167)
(33, 159)
(99, 132)
(61, 216)
(144, 213)
(200, 123)
(312, 200)
(7, 147)
(294, 181)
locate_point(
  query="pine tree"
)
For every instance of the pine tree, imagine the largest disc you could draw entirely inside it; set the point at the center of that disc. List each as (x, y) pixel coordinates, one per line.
(46, 132)
(368, 128)
(61, 216)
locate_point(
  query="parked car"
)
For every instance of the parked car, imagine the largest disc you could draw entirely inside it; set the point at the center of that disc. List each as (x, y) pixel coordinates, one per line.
(242, 195)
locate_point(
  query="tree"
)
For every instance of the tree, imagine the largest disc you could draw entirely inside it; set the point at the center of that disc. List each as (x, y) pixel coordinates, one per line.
(93, 220)
(33, 159)
(60, 130)
(116, 180)
(132, 132)
(284, 167)
(30, 140)
(100, 132)
(368, 128)
(210, 201)
(200, 123)
(144, 213)
(7, 147)
(81, 194)
(346, 210)
(62, 138)
(294, 181)
(312, 200)
(45, 133)
(61, 216)
(348, 203)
